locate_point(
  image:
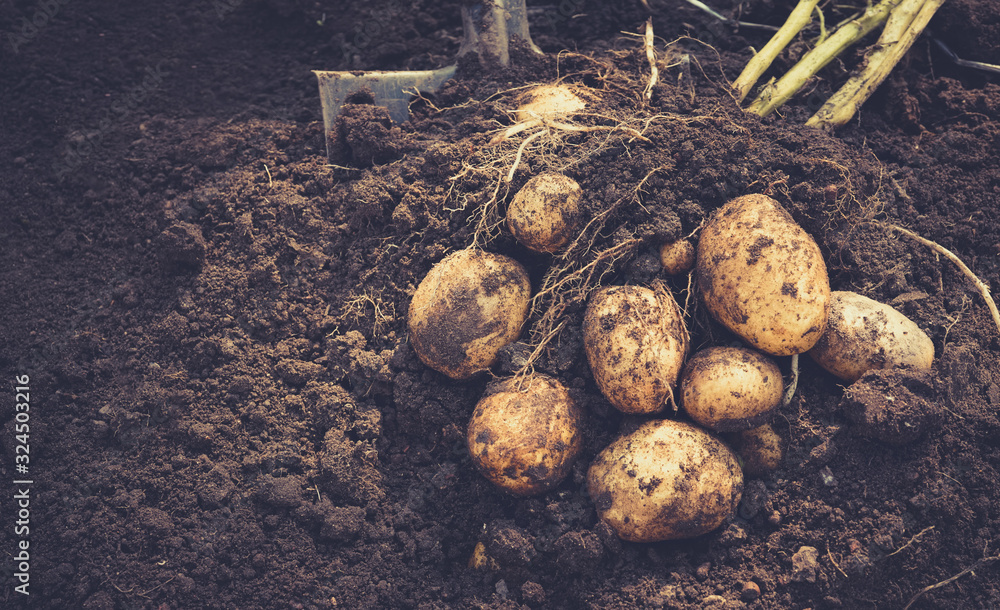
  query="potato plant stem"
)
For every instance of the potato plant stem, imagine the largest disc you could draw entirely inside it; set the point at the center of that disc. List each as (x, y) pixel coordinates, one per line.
(799, 18)
(775, 95)
(902, 28)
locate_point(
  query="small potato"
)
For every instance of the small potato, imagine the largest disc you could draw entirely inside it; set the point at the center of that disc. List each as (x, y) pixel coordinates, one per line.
(667, 480)
(548, 102)
(763, 277)
(760, 448)
(468, 307)
(730, 388)
(636, 343)
(677, 257)
(525, 434)
(545, 212)
(864, 334)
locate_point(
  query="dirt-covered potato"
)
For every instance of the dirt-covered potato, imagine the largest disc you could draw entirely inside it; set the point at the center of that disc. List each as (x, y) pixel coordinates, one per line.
(677, 257)
(468, 307)
(544, 214)
(667, 480)
(863, 334)
(730, 388)
(548, 102)
(762, 276)
(636, 342)
(760, 448)
(525, 434)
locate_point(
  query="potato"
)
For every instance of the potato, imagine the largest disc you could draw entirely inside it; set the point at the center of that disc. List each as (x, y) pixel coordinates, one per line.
(525, 434)
(636, 343)
(667, 480)
(730, 388)
(762, 276)
(864, 334)
(545, 212)
(677, 257)
(548, 102)
(760, 448)
(468, 307)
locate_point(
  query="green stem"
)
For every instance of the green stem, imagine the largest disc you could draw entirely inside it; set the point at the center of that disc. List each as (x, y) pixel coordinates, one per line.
(799, 18)
(903, 27)
(775, 95)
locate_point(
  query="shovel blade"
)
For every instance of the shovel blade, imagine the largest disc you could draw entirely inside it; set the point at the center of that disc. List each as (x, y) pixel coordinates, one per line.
(391, 90)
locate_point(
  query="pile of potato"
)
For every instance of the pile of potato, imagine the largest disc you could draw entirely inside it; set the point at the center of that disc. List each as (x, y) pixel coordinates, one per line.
(758, 273)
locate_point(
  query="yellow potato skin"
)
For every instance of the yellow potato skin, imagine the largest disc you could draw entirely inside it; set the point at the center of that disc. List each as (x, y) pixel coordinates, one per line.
(677, 257)
(667, 480)
(760, 448)
(636, 342)
(544, 214)
(466, 309)
(525, 434)
(763, 277)
(548, 102)
(864, 335)
(727, 389)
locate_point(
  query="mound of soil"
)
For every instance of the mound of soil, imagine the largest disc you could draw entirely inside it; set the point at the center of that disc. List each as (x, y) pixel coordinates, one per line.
(204, 324)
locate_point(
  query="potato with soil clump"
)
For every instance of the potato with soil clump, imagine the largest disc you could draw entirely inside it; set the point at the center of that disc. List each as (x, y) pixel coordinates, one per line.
(545, 212)
(525, 434)
(677, 257)
(730, 388)
(864, 335)
(760, 448)
(636, 342)
(665, 481)
(762, 276)
(468, 307)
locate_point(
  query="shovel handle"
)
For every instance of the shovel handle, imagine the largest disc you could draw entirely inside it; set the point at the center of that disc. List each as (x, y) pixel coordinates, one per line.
(490, 26)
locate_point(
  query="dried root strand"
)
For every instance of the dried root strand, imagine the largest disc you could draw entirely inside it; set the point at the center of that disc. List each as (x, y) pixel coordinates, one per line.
(980, 285)
(654, 70)
(948, 581)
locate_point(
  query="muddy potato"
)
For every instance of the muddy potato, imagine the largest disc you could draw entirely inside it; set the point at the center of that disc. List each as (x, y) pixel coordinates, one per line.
(636, 342)
(730, 388)
(667, 480)
(760, 448)
(762, 276)
(525, 434)
(544, 214)
(863, 335)
(677, 257)
(468, 307)
(551, 102)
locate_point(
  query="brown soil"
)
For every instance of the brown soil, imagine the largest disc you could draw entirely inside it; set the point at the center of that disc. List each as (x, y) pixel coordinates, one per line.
(225, 410)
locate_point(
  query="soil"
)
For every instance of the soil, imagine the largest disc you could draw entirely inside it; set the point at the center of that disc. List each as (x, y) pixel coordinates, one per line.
(209, 315)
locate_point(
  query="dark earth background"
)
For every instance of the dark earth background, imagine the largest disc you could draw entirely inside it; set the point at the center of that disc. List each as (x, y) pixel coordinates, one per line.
(225, 412)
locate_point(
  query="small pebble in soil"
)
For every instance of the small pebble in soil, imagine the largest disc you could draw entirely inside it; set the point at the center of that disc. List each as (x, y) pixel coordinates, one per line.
(702, 572)
(805, 564)
(750, 591)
